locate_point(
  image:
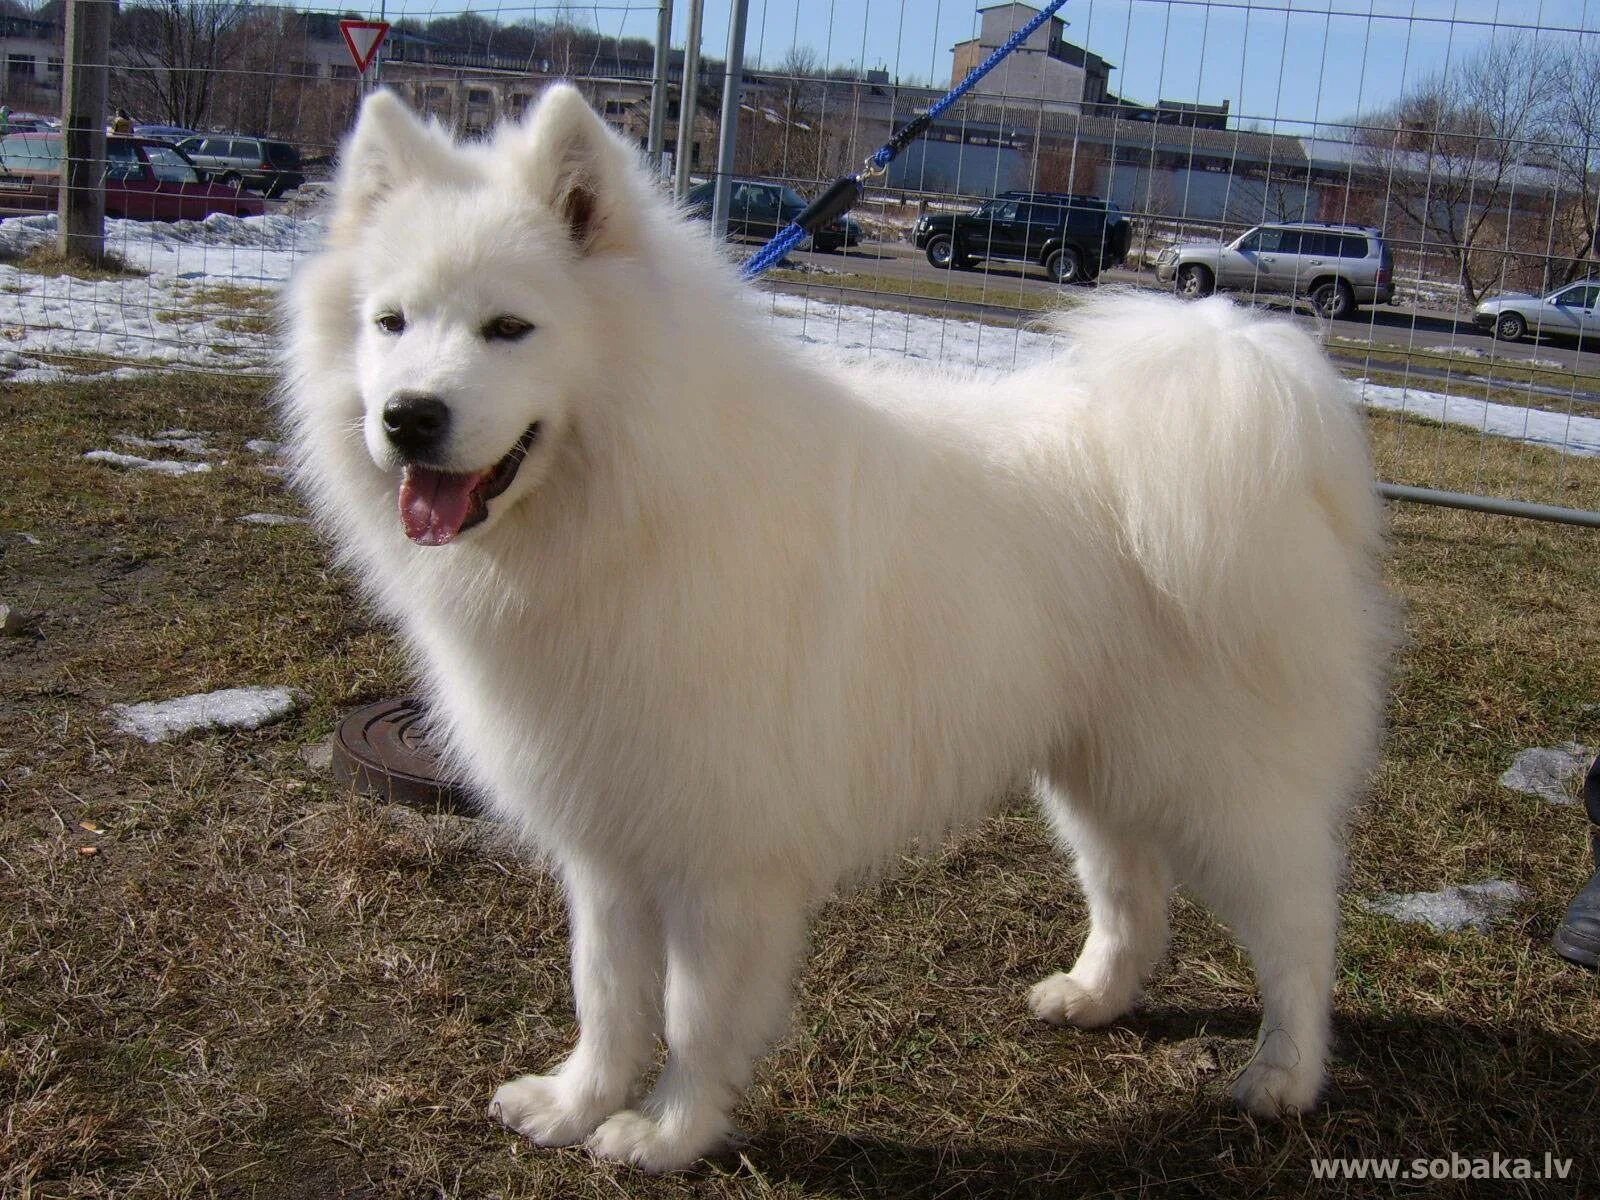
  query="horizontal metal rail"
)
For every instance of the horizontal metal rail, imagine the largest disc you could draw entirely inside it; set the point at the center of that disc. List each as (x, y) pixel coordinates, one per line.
(1491, 504)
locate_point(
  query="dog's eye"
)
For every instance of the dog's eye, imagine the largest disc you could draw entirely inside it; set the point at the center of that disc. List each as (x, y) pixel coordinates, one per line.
(391, 322)
(506, 329)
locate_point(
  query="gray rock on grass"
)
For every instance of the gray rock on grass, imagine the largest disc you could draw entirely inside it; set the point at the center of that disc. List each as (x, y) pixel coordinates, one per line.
(13, 621)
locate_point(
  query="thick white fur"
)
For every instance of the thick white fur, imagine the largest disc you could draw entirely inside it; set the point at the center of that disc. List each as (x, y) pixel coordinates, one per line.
(745, 626)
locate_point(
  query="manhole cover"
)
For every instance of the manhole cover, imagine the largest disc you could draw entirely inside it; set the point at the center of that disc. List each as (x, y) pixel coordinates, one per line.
(384, 750)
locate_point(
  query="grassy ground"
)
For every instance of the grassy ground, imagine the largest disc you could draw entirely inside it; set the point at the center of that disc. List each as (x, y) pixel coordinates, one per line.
(260, 987)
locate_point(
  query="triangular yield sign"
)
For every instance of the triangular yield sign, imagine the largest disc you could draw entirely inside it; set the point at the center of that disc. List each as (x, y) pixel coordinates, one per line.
(363, 38)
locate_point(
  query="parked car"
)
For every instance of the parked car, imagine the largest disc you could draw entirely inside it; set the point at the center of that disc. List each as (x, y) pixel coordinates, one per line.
(1072, 237)
(167, 133)
(146, 180)
(1571, 311)
(261, 163)
(29, 123)
(757, 209)
(1338, 267)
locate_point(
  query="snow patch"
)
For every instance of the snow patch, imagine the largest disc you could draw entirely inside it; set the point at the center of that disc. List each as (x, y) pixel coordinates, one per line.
(1560, 431)
(1469, 906)
(230, 708)
(272, 519)
(158, 466)
(187, 443)
(1548, 771)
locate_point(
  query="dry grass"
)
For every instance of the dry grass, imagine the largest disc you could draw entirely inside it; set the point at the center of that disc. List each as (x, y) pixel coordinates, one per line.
(47, 260)
(259, 987)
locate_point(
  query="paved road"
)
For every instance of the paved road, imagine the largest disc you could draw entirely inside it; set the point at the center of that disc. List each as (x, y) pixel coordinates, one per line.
(1389, 327)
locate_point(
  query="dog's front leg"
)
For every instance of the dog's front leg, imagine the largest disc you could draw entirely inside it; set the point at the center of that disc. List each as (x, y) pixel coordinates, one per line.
(732, 951)
(617, 965)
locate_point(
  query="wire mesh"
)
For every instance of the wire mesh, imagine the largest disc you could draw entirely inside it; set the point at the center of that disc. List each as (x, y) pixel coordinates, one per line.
(1415, 180)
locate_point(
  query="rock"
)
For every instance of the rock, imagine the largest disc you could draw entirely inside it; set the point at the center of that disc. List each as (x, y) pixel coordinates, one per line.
(160, 466)
(1549, 772)
(230, 708)
(318, 756)
(12, 621)
(1469, 906)
(272, 519)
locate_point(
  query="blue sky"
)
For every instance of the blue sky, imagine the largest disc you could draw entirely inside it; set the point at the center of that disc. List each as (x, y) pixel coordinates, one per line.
(1294, 60)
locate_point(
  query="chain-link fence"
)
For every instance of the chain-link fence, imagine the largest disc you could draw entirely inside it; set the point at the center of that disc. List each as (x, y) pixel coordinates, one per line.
(1418, 181)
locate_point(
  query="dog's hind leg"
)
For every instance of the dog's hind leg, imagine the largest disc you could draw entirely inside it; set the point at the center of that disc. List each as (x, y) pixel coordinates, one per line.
(616, 979)
(1127, 882)
(1270, 872)
(732, 952)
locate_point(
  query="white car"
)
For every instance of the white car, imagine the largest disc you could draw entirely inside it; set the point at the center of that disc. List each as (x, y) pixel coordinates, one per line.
(1570, 310)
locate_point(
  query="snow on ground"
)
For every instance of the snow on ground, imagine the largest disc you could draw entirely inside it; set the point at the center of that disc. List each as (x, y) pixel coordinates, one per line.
(1469, 906)
(206, 296)
(230, 708)
(176, 313)
(157, 466)
(1560, 431)
(1549, 772)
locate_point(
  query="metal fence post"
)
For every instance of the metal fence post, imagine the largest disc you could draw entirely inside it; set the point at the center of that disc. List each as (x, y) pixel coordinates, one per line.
(728, 135)
(81, 206)
(690, 98)
(658, 86)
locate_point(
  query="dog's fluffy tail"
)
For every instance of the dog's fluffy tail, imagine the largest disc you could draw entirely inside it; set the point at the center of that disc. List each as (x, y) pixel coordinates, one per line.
(1212, 427)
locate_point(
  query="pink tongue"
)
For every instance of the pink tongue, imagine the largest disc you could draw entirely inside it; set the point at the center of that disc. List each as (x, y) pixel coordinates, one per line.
(433, 504)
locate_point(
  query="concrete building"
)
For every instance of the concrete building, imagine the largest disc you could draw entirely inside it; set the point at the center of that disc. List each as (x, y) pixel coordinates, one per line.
(1046, 67)
(32, 51)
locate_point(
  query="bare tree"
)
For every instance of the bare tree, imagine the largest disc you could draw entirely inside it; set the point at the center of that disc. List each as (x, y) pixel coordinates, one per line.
(1574, 152)
(784, 136)
(171, 53)
(1448, 156)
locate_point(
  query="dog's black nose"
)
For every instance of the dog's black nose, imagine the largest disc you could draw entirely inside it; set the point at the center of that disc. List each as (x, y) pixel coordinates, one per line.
(416, 424)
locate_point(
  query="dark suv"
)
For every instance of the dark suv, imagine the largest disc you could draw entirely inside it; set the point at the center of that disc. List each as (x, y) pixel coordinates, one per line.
(1073, 238)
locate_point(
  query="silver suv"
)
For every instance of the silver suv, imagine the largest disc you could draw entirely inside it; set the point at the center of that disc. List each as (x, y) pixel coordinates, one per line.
(266, 164)
(1338, 267)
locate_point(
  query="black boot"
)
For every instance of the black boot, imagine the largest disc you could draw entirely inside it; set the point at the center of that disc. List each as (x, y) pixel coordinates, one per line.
(1578, 938)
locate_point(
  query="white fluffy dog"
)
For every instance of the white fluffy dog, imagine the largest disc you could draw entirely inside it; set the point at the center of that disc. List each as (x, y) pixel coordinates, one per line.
(722, 627)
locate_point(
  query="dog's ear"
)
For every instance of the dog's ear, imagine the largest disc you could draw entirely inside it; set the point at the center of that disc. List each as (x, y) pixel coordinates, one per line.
(577, 168)
(389, 146)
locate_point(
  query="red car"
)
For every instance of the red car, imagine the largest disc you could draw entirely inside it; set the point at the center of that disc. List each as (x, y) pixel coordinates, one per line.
(146, 180)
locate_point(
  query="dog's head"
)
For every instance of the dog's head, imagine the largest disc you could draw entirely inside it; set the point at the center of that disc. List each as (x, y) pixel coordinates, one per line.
(475, 272)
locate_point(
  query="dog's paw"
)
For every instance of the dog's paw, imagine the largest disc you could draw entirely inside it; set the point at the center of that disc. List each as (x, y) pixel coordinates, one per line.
(1270, 1091)
(543, 1109)
(1062, 1000)
(642, 1141)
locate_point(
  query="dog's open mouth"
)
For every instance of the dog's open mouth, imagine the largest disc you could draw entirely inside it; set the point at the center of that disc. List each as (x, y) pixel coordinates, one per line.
(436, 506)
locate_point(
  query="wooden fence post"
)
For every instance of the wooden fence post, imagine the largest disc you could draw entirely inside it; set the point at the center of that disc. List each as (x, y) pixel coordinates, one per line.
(82, 204)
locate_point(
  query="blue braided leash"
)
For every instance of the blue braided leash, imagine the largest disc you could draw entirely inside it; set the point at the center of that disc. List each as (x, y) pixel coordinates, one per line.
(845, 192)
